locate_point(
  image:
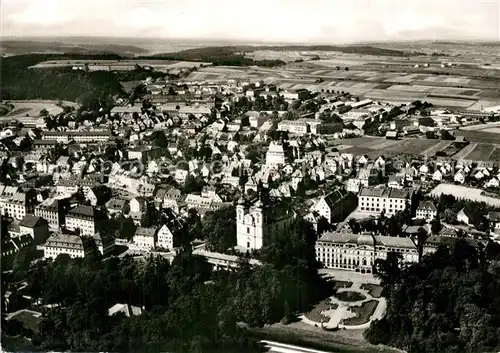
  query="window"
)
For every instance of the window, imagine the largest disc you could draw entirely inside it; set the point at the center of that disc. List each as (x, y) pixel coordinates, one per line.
(248, 230)
(248, 244)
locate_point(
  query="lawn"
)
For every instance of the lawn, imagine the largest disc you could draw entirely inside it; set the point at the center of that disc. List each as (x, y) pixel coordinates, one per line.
(315, 313)
(363, 313)
(350, 296)
(373, 289)
(342, 284)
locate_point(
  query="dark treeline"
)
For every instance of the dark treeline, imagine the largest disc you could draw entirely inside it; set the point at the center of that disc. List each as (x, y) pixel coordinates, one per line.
(198, 53)
(20, 82)
(224, 56)
(187, 306)
(447, 303)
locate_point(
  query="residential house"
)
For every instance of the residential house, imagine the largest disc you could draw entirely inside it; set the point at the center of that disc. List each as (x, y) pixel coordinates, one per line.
(437, 176)
(395, 182)
(18, 205)
(426, 210)
(145, 238)
(459, 177)
(165, 238)
(83, 218)
(181, 176)
(492, 183)
(494, 219)
(117, 205)
(465, 215)
(51, 210)
(126, 309)
(138, 205)
(36, 227)
(104, 245)
(335, 206)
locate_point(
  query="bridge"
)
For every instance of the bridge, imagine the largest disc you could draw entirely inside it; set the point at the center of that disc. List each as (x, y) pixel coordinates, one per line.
(222, 260)
(219, 260)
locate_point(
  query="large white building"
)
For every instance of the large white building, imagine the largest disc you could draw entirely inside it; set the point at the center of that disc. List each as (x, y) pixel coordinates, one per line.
(258, 224)
(82, 218)
(375, 200)
(293, 126)
(358, 252)
(275, 155)
(17, 205)
(73, 245)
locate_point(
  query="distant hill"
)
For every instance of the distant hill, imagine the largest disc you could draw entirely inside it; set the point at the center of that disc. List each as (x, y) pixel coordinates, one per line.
(19, 47)
(199, 53)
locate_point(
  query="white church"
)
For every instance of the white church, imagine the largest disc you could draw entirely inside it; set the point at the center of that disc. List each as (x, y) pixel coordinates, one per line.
(257, 224)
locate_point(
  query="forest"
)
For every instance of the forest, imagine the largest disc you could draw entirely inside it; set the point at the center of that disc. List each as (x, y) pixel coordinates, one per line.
(198, 53)
(447, 303)
(20, 82)
(187, 306)
(226, 56)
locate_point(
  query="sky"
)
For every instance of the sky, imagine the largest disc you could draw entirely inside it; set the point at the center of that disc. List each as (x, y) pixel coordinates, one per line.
(291, 21)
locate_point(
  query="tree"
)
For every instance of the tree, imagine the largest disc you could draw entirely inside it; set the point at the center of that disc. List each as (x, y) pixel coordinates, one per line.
(436, 225)
(159, 139)
(193, 184)
(432, 308)
(150, 216)
(219, 229)
(389, 269)
(127, 228)
(422, 237)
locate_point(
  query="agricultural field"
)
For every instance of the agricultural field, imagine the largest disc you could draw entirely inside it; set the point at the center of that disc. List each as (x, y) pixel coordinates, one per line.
(121, 64)
(369, 81)
(464, 152)
(373, 146)
(432, 150)
(479, 127)
(479, 136)
(495, 156)
(479, 152)
(32, 108)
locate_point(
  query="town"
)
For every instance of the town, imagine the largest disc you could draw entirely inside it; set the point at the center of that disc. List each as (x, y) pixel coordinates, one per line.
(228, 171)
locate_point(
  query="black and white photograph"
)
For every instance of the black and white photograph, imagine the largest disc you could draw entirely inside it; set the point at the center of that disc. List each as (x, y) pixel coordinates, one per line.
(265, 176)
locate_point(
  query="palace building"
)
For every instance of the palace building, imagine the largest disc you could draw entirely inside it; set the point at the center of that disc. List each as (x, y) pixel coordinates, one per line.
(358, 252)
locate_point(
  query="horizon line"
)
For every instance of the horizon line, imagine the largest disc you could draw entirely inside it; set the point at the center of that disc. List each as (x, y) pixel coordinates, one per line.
(262, 42)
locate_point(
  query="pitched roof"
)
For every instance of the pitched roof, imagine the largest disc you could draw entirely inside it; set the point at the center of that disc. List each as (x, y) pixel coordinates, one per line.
(82, 210)
(31, 221)
(426, 205)
(334, 197)
(145, 232)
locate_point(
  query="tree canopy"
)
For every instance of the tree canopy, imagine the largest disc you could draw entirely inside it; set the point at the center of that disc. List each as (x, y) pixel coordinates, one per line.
(447, 303)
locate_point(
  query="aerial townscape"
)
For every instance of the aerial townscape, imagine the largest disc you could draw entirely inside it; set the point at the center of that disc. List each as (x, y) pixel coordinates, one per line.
(284, 198)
